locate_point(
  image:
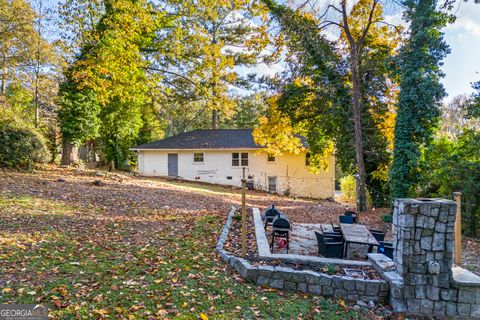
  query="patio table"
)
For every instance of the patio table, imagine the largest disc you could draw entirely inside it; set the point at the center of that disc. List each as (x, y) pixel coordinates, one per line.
(356, 233)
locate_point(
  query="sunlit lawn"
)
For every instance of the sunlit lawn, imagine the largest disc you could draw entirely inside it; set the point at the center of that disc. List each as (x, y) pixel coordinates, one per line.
(86, 261)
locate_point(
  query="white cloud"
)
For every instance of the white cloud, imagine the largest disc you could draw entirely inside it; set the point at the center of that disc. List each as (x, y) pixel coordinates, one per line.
(468, 25)
(467, 20)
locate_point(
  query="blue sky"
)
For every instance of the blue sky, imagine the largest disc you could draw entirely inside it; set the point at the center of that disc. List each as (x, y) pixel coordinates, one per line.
(461, 67)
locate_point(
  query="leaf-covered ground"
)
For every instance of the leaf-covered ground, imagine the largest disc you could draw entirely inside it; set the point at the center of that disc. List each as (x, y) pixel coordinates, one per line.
(134, 248)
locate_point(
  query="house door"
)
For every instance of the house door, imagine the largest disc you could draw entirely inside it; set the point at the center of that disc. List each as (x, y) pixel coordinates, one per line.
(172, 165)
(272, 184)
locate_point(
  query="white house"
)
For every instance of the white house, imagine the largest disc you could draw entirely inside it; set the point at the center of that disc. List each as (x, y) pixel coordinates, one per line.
(218, 156)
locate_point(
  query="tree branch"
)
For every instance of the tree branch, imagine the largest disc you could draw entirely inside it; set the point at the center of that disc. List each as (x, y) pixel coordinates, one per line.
(369, 23)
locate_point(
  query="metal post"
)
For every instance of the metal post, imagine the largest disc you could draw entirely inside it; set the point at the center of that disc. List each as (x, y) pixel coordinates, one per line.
(244, 215)
(458, 228)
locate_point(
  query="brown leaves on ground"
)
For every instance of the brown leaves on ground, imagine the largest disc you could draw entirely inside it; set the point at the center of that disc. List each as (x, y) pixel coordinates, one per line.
(136, 248)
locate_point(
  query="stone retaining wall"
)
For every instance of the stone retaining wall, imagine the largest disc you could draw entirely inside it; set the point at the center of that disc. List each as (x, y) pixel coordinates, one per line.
(303, 280)
(424, 282)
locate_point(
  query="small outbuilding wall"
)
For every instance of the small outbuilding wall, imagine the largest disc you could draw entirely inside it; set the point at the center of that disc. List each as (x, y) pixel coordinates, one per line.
(290, 171)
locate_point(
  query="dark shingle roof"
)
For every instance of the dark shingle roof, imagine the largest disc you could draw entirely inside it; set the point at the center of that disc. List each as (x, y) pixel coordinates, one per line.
(206, 139)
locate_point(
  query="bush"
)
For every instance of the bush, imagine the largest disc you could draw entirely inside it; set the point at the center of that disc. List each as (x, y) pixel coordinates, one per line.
(21, 146)
(347, 187)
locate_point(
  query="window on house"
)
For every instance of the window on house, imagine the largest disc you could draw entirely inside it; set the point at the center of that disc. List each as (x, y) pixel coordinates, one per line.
(235, 159)
(240, 159)
(271, 158)
(198, 157)
(244, 159)
(307, 159)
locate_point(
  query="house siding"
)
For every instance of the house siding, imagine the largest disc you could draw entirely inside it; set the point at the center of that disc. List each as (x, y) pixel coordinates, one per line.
(293, 176)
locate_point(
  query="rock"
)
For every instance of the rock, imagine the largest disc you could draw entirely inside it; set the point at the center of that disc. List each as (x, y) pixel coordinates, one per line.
(98, 183)
(60, 180)
(365, 305)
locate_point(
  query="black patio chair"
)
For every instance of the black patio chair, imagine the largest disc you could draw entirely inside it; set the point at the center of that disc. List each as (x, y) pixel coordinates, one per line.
(321, 243)
(353, 214)
(333, 248)
(379, 236)
(346, 219)
(337, 236)
(386, 248)
(329, 247)
(335, 228)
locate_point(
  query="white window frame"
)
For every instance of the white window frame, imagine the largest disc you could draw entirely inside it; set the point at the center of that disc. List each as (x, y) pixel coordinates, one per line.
(241, 157)
(199, 153)
(244, 157)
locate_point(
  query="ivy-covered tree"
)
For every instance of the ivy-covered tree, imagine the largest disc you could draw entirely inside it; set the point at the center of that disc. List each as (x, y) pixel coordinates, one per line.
(420, 91)
(318, 93)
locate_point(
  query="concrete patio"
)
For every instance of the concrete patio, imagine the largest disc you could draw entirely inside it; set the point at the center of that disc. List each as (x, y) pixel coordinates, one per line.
(304, 242)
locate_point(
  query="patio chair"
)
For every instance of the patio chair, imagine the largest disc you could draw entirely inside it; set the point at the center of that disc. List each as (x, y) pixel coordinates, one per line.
(334, 235)
(352, 214)
(386, 248)
(346, 219)
(335, 228)
(321, 243)
(329, 247)
(379, 236)
(333, 248)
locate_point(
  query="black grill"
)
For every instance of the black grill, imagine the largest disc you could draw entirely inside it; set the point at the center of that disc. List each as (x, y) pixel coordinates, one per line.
(270, 213)
(281, 222)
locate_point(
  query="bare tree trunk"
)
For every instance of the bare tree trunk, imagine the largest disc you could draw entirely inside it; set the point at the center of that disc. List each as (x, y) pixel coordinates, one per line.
(362, 192)
(355, 46)
(214, 119)
(37, 67)
(69, 153)
(4, 76)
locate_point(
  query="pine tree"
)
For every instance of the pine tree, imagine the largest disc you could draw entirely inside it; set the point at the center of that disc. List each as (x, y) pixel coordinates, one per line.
(202, 52)
(420, 91)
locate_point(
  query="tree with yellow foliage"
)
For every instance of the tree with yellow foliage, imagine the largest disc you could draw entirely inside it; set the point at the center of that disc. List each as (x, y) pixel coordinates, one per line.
(342, 92)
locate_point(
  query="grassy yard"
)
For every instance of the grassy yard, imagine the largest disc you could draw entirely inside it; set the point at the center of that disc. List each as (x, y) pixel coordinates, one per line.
(131, 249)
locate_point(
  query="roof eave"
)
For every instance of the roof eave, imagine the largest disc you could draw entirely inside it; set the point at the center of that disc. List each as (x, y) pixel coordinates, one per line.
(191, 149)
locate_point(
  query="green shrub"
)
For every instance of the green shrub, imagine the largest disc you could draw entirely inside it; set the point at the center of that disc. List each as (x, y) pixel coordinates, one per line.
(347, 187)
(388, 218)
(21, 146)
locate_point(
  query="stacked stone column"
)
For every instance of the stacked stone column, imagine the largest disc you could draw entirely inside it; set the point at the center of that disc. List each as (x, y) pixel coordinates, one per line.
(423, 236)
